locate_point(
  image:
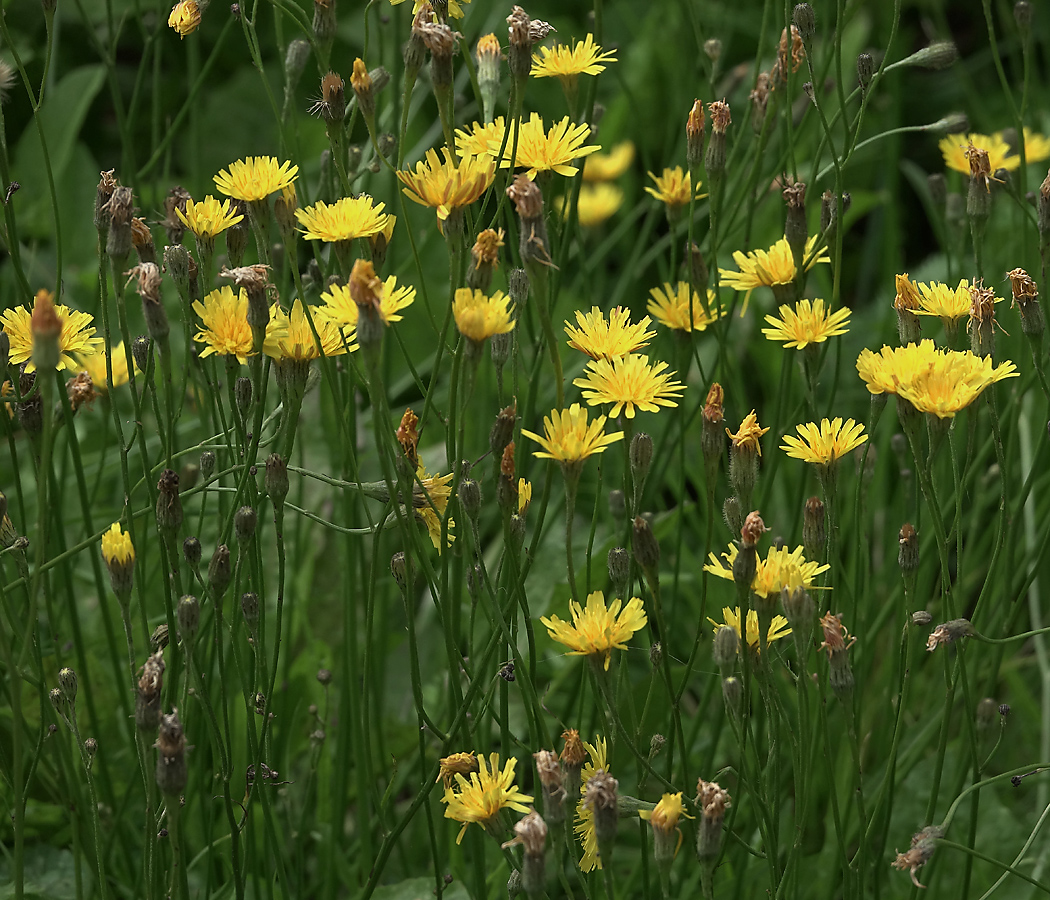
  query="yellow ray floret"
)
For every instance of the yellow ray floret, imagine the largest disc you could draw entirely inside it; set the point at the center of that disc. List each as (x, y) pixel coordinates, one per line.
(224, 323)
(444, 184)
(609, 166)
(342, 309)
(479, 316)
(778, 627)
(674, 187)
(293, 340)
(549, 151)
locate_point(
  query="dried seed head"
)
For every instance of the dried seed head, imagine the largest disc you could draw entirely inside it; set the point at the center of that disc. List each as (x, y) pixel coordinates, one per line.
(695, 130)
(121, 211)
(948, 633)
(712, 801)
(81, 391)
(147, 698)
(142, 240)
(106, 185)
(531, 833)
(753, 529)
(527, 197)
(720, 116)
(923, 843)
(331, 105)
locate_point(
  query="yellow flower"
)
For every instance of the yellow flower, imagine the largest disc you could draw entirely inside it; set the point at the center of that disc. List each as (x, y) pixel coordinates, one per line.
(255, 178)
(596, 630)
(628, 382)
(209, 217)
(601, 339)
(766, 268)
(461, 763)
(940, 382)
(584, 825)
(566, 62)
(77, 335)
(224, 324)
(480, 799)
(293, 340)
(673, 187)
(430, 498)
(823, 445)
(954, 146)
(611, 165)
(778, 628)
(116, 547)
(479, 317)
(596, 203)
(185, 16)
(781, 568)
(940, 300)
(524, 496)
(1036, 147)
(667, 812)
(341, 308)
(808, 323)
(674, 307)
(748, 434)
(550, 151)
(443, 185)
(567, 436)
(95, 366)
(483, 140)
(344, 220)
(455, 7)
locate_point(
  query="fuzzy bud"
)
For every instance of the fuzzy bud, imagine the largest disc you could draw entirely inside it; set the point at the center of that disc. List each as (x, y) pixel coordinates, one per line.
(725, 650)
(641, 454)
(169, 504)
(814, 532)
(207, 464)
(244, 522)
(646, 549)
(619, 563)
(219, 572)
(805, 21)
(188, 613)
(171, 755)
(865, 70)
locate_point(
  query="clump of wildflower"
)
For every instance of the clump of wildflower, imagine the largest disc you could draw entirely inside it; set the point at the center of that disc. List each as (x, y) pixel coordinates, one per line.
(596, 630)
(480, 799)
(483, 139)
(676, 307)
(806, 323)
(629, 382)
(602, 338)
(774, 268)
(208, 218)
(75, 334)
(292, 340)
(778, 628)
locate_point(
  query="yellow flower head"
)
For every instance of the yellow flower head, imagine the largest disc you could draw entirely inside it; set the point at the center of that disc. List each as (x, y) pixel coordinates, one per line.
(76, 337)
(628, 382)
(778, 628)
(549, 151)
(116, 547)
(430, 498)
(344, 220)
(607, 339)
(596, 203)
(940, 382)
(954, 147)
(1036, 147)
(185, 16)
(524, 496)
(808, 323)
(255, 178)
(781, 568)
(482, 139)
(341, 308)
(293, 340)
(950, 304)
(674, 307)
(479, 316)
(480, 799)
(609, 166)
(95, 366)
(567, 62)
(673, 187)
(766, 268)
(823, 445)
(598, 761)
(748, 434)
(443, 185)
(224, 324)
(666, 814)
(596, 629)
(209, 217)
(568, 437)
(455, 7)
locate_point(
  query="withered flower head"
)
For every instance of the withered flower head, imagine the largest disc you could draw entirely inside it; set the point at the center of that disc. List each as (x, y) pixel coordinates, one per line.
(538, 30)
(365, 286)
(835, 635)
(531, 833)
(250, 278)
(753, 529)
(148, 279)
(923, 843)
(573, 753)
(518, 28)
(695, 122)
(548, 769)
(795, 195)
(81, 390)
(408, 436)
(439, 39)
(506, 465)
(176, 199)
(720, 117)
(142, 240)
(106, 185)
(331, 106)
(948, 633)
(798, 54)
(982, 302)
(907, 294)
(713, 408)
(526, 196)
(1023, 287)
(712, 799)
(980, 166)
(486, 248)
(119, 206)
(457, 764)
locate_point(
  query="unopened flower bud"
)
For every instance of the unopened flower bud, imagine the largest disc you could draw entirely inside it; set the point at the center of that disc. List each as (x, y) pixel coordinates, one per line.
(470, 497)
(695, 132)
(805, 21)
(814, 533)
(242, 392)
(399, 569)
(732, 692)
(244, 521)
(619, 570)
(188, 613)
(276, 479)
(908, 554)
(67, 682)
(169, 504)
(726, 648)
(250, 609)
(641, 458)
(1023, 17)
(502, 432)
(865, 70)
(219, 572)
(147, 695)
(921, 618)
(646, 549)
(171, 755)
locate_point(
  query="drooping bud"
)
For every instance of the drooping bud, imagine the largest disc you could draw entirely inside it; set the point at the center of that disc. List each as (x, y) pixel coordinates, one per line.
(837, 641)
